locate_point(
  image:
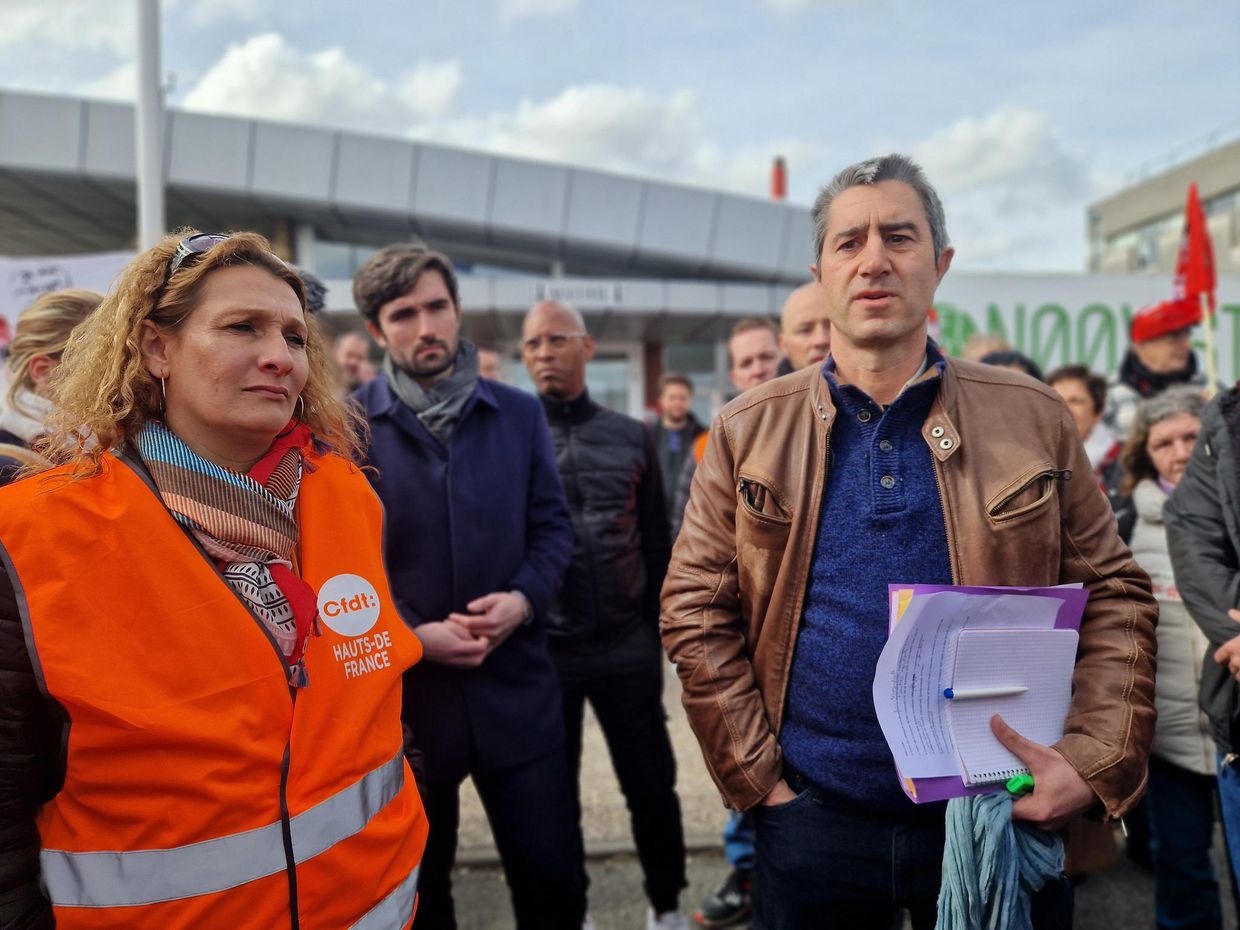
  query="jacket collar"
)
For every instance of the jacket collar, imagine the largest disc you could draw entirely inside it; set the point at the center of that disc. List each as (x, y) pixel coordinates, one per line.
(577, 410)
(938, 431)
(1148, 383)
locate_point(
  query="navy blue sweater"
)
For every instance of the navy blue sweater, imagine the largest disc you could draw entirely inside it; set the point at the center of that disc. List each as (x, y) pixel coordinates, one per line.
(881, 522)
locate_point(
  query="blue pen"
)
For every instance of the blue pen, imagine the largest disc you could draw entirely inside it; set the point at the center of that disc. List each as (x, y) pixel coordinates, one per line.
(962, 694)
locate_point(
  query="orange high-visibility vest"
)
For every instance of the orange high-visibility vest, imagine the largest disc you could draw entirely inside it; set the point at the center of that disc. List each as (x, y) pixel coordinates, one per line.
(200, 790)
(699, 446)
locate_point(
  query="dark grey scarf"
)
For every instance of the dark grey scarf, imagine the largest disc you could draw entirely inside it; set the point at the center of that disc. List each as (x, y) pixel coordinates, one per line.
(438, 406)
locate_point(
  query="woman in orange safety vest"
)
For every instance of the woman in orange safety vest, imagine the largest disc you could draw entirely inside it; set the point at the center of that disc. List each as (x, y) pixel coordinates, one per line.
(200, 659)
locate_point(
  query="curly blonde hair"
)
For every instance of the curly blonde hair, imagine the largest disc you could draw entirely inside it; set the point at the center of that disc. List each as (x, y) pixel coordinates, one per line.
(103, 389)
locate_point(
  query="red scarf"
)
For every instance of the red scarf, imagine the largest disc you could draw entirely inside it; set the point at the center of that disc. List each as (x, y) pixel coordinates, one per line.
(301, 597)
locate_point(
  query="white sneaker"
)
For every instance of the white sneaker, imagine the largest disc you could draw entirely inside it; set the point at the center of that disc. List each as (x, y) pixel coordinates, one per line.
(668, 920)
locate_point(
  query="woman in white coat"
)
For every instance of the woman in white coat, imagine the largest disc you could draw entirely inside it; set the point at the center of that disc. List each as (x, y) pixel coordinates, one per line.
(1180, 797)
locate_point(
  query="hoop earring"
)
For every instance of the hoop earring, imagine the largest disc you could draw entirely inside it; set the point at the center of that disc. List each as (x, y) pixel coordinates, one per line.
(302, 401)
(163, 396)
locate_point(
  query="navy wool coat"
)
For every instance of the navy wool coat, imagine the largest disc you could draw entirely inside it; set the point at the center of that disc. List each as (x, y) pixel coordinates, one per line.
(485, 513)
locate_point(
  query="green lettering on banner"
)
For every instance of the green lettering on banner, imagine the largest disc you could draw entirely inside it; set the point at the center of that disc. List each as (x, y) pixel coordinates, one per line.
(955, 327)
(1055, 344)
(996, 325)
(1087, 350)
(947, 325)
(1233, 312)
(1095, 335)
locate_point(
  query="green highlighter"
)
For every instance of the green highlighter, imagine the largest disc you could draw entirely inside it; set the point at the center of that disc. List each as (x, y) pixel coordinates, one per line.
(1019, 785)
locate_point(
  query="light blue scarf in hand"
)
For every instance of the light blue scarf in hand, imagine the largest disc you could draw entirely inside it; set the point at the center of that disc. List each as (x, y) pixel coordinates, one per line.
(991, 866)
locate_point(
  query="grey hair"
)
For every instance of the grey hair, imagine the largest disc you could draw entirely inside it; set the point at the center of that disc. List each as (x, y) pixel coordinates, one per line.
(1135, 458)
(893, 167)
(1170, 403)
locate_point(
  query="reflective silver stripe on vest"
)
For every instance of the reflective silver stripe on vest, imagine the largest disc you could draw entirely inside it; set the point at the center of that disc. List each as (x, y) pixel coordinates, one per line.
(149, 876)
(321, 827)
(394, 911)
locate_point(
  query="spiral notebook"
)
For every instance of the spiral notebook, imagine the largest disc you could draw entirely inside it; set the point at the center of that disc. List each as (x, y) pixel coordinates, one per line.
(1041, 661)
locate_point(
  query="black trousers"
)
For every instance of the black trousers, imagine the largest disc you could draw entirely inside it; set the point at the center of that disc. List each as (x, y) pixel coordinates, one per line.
(627, 699)
(825, 863)
(533, 813)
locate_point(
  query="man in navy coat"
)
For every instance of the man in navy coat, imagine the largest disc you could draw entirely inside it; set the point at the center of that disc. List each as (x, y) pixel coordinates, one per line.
(477, 539)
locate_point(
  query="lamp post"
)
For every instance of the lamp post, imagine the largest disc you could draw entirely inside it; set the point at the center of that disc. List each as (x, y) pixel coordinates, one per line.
(149, 128)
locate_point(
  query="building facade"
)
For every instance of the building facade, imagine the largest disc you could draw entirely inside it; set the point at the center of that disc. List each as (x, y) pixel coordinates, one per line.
(1137, 229)
(660, 271)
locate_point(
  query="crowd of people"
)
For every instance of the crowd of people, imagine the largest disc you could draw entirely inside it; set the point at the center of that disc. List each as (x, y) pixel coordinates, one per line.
(267, 602)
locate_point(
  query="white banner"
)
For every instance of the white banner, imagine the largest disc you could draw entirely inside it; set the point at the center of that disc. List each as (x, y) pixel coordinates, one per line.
(1060, 318)
(24, 279)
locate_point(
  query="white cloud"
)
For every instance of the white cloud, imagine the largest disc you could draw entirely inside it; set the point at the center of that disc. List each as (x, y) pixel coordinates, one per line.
(510, 10)
(1013, 151)
(623, 129)
(431, 88)
(590, 124)
(266, 78)
(121, 83)
(989, 238)
(78, 24)
(596, 125)
(1014, 191)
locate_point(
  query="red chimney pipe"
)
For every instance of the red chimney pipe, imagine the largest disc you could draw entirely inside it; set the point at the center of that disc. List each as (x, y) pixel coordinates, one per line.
(779, 179)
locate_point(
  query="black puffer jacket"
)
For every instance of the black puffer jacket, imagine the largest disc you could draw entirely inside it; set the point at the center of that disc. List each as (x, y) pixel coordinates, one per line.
(1203, 535)
(31, 771)
(621, 543)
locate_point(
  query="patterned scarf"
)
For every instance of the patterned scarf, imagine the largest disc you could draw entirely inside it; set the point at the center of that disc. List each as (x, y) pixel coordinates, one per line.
(438, 406)
(246, 524)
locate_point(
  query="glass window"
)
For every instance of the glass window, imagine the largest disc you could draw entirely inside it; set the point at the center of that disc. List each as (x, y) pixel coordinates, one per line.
(333, 260)
(359, 256)
(1222, 203)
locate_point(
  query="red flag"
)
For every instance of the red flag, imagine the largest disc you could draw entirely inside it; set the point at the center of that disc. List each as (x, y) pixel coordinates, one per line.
(1194, 268)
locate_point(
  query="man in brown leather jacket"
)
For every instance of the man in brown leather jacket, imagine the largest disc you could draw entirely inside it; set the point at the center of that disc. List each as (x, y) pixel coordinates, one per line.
(940, 471)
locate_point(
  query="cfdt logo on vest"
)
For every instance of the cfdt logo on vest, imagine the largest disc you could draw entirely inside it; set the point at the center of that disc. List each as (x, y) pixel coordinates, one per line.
(348, 604)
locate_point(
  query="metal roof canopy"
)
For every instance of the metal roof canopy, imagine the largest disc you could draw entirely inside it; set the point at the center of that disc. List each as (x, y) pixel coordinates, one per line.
(67, 185)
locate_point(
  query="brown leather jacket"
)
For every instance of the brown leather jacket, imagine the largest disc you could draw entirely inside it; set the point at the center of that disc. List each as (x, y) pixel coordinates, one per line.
(1003, 446)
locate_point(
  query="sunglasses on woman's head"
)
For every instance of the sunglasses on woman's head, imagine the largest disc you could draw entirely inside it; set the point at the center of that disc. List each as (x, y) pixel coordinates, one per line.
(190, 247)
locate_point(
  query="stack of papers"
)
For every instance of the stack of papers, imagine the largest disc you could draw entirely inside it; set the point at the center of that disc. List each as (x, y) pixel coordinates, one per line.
(1006, 651)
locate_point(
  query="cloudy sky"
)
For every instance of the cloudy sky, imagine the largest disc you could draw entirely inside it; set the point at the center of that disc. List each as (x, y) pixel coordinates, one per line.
(1022, 113)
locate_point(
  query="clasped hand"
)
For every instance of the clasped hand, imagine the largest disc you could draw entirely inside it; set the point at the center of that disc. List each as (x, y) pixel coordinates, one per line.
(464, 640)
